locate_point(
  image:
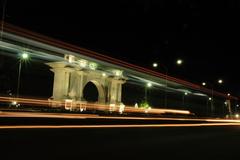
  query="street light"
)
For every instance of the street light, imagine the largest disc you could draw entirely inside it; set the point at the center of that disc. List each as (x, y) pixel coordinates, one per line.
(155, 65)
(220, 81)
(24, 56)
(179, 62)
(148, 85)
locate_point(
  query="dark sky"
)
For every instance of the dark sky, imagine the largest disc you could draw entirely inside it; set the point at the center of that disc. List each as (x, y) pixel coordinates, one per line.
(205, 35)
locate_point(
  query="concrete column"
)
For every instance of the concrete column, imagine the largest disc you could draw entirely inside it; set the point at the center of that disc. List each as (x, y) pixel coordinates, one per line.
(61, 78)
(80, 82)
(119, 96)
(229, 106)
(115, 91)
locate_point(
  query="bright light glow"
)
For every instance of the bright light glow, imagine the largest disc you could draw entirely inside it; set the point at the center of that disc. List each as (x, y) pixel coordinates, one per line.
(204, 84)
(93, 66)
(228, 94)
(155, 65)
(14, 102)
(185, 93)
(136, 105)
(225, 103)
(237, 115)
(24, 56)
(220, 81)
(104, 74)
(179, 61)
(149, 84)
(209, 98)
(83, 63)
(121, 108)
(237, 105)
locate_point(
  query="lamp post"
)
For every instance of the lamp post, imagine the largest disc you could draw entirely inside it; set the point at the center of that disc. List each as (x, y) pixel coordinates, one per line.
(155, 65)
(148, 85)
(220, 81)
(23, 57)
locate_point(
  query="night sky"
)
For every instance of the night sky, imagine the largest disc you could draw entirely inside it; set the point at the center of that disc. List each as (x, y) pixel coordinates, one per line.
(205, 35)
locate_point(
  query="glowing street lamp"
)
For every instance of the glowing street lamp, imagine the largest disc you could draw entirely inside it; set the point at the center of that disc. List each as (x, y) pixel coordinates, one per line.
(179, 62)
(24, 56)
(220, 81)
(149, 84)
(155, 65)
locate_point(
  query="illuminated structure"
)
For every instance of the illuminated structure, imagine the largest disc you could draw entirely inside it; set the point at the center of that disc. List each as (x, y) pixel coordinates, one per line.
(74, 67)
(71, 77)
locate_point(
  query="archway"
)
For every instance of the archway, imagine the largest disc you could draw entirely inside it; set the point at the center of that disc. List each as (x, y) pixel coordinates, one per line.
(90, 92)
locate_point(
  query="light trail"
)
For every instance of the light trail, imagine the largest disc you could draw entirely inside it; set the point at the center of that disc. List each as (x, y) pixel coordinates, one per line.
(90, 106)
(116, 126)
(94, 116)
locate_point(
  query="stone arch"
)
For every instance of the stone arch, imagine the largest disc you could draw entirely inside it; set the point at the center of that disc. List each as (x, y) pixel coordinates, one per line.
(69, 82)
(100, 89)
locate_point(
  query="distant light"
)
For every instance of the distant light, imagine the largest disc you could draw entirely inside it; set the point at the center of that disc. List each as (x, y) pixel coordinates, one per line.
(121, 108)
(204, 84)
(14, 102)
(104, 74)
(228, 94)
(149, 84)
(136, 105)
(225, 103)
(93, 66)
(155, 65)
(24, 56)
(220, 81)
(179, 61)
(146, 111)
(209, 98)
(237, 105)
(185, 93)
(237, 115)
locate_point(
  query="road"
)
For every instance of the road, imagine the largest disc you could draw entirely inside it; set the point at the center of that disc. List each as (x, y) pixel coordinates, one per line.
(73, 136)
(206, 142)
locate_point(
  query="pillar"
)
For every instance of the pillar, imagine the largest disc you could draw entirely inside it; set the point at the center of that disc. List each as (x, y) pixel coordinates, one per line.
(115, 91)
(61, 80)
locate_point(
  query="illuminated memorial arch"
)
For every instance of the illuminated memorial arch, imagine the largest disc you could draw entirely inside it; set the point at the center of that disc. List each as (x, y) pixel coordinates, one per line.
(73, 74)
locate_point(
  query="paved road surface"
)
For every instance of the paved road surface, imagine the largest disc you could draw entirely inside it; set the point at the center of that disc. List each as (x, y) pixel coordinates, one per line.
(206, 142)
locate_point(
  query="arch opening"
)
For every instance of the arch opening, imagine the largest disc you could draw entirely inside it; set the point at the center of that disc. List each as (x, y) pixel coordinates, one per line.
(90, 92)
